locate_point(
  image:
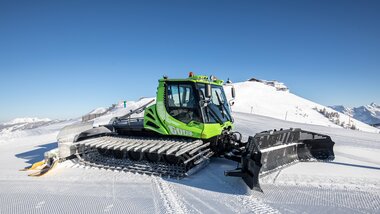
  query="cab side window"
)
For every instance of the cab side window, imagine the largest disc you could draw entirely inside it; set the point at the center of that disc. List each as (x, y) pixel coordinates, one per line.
(181, 96)
(181, 102)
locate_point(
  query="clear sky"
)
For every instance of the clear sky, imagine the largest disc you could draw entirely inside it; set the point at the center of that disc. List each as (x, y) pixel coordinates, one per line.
(60, 59)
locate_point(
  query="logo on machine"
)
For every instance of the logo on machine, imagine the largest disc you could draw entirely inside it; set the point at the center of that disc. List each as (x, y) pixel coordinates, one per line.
(177, 131)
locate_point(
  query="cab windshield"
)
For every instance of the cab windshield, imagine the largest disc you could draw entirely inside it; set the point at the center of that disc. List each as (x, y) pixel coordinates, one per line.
(217, 110)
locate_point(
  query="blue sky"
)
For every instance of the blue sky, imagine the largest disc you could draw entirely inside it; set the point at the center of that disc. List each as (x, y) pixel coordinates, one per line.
(60, 59)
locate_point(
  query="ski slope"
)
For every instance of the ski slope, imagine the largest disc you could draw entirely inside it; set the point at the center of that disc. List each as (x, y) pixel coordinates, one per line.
(350, 184)
(259, 98)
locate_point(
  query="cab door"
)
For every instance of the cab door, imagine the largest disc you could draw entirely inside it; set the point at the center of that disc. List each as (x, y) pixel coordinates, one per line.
(182, 105)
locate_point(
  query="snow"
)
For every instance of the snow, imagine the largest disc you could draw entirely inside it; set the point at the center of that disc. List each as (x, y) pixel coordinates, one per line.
(261, 99)
(27, 127)
(12, 133)
(369, 114)
(26, 120)
(119, 111)
(280, 86)
(349, 184)
(100, 110)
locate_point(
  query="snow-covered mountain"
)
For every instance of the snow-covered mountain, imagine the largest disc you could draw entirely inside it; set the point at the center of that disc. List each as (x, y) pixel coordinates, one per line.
(25, 120)
(256, 97)
(23, 123)
(26, 126)
(100, 110)
(369, 114)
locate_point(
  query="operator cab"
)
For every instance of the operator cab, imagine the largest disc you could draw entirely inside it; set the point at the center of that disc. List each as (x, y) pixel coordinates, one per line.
(188, 101)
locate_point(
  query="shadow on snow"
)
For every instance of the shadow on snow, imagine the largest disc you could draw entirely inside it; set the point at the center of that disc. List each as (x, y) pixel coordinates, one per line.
(212, 178)
(37, 154)
(355, 165)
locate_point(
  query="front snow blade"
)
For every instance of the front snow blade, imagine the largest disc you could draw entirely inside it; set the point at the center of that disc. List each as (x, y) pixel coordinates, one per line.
(250, 165)
(268, 151)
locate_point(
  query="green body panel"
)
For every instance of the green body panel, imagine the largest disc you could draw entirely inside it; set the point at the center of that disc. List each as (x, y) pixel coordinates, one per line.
(215, 129)
(152, 121)
(156, 117)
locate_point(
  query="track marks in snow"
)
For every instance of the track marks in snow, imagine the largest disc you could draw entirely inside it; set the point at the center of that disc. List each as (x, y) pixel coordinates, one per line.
(275, 177)
(205, 205)
(319, 181)
(45, 196)
(169, 197)
(40, 204)
(108, 208)
(317, 200)
(253, 204)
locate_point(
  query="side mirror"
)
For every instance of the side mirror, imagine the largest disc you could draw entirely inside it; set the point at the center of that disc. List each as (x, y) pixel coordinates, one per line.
(208, 91)
(233, 92)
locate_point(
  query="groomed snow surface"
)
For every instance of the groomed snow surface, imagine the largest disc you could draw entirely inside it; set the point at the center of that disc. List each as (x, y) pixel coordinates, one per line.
(349, 184)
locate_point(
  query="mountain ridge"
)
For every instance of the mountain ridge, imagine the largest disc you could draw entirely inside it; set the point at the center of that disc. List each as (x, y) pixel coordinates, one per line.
(369, 114)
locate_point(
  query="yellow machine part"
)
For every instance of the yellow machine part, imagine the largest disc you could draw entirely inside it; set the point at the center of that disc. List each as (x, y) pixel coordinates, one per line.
(43, 167)
(34, 166)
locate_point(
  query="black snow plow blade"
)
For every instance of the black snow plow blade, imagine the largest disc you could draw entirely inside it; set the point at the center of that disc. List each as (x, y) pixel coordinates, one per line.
(268, 151)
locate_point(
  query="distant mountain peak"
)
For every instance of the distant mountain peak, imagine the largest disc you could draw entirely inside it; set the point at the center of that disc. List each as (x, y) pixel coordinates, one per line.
(369, 114)
(374, 105)
(26, 120)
